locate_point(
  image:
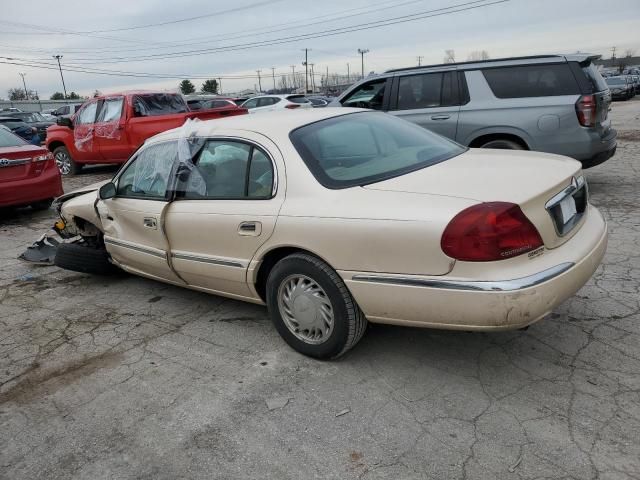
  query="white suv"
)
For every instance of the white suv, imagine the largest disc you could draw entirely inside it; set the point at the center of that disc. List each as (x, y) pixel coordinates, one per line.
(268, 103)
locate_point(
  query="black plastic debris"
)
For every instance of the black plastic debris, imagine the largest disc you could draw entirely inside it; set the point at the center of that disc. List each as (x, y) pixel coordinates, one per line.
(42, 252)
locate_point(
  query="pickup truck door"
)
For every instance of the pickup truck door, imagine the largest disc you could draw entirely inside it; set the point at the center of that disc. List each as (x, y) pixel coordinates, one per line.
(224, 211)
(83, 133)
(133, 219)
(109, 132)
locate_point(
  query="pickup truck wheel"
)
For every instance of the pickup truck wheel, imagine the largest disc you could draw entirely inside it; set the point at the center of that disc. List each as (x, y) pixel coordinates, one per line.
(83, 258)
(312, 308)
(65, 163)
(503, 144)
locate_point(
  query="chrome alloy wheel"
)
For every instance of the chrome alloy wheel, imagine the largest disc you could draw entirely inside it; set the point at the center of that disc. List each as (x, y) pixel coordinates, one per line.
(306, 309)
(63, 162)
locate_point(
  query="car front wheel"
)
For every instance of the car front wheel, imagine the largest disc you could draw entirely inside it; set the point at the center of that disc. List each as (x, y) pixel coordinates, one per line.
(65, 163)
(312, 308)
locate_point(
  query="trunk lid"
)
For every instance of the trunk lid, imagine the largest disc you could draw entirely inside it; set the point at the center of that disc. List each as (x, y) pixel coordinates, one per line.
(529, 179)
(16, 163)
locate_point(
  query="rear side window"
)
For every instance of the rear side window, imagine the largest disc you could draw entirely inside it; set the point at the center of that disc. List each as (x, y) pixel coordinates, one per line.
(532, 81)
(297, 99)
(159, 104)
(429, 90)
(8, 139)
(111, 110)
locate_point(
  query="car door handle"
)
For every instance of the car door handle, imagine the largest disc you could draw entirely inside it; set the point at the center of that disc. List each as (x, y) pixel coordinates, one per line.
(150, 222)
(250, 229)
(440, 117)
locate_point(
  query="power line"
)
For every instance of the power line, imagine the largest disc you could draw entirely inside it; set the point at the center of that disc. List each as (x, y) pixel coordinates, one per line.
(461, 7)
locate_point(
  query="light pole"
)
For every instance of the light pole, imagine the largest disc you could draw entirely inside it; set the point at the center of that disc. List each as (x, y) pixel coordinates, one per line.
(420, 57)
(26, 93)
(306, 70)
(219, 86)
(58, 57)
(362, 52)
(348, 73)
(273, 74)
(293, 77)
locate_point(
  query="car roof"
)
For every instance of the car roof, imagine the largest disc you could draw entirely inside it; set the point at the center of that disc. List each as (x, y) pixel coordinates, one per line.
(272, 124)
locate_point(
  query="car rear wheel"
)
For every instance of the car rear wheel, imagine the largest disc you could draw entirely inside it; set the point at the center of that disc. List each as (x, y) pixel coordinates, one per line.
(65, 163)
(42, 204)
(83, 258)
(502, 143)
(312, 308)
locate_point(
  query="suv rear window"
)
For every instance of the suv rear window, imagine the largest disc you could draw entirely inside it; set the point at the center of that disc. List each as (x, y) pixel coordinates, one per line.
(532, 81)
(297, 99)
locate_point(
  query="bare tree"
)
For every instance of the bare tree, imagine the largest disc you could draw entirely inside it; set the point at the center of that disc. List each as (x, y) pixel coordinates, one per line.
(624, 61)
(478, 55)
(450, 56)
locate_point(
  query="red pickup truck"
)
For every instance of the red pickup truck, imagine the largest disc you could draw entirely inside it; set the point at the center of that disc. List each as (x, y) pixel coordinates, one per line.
(109, 128)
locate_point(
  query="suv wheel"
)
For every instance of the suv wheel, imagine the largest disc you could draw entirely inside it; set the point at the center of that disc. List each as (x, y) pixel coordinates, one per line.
(502, 143)
(312, 308)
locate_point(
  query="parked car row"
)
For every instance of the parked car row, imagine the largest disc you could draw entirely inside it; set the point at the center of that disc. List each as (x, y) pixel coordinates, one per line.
(623, 87)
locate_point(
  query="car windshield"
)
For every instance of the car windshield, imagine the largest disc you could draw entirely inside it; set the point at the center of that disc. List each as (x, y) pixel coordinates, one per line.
(30, 117)
(615, 81)
(364, 148)
(8, 139)
(13, 123)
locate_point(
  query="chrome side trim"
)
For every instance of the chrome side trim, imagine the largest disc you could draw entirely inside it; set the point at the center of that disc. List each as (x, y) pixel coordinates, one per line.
(213, 261)
(478, 286)
(137, 248)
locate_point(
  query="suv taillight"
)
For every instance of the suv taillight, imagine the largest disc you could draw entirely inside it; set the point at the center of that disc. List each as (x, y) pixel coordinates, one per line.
(489, 231)
(586, 110)
(292, 105)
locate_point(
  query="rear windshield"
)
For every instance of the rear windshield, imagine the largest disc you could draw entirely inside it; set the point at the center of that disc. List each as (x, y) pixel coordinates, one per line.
(159, 104)
(532, 81)
(29, 117)
(13, 123)
(364, 148)
(8, 139)
(593, 75)
(297, 99)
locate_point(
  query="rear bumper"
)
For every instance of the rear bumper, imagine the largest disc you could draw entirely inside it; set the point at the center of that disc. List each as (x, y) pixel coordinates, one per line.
(23, 192)
(470, 304)
(605, 148)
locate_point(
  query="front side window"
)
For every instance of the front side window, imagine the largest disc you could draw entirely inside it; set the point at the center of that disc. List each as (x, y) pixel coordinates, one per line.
(364, 148)
(251, 103)
(111, 110)
(147, 176)
(370, 95)
(227, 169)
(532, 81)
(87, 114)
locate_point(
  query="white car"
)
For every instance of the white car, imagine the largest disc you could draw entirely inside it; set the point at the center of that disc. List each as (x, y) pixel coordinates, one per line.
(269, 103)
(338, 217)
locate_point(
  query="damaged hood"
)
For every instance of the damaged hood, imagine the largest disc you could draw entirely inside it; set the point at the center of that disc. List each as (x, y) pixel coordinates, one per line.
(81, 191)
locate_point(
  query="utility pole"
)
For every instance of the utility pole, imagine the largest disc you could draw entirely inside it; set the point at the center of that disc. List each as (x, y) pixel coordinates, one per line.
(26, 93)
(348, 73)
(259, 81)
(219, 86)
(362, 52)
(306, 70)
(273, 74)
(613, 56)
(326, 82)
(420, 57)
(58, 57)
(313, 79)
(293, 77)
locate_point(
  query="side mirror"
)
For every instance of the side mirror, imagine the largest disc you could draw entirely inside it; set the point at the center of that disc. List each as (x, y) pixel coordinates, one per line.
(64, 122)
(108, 190)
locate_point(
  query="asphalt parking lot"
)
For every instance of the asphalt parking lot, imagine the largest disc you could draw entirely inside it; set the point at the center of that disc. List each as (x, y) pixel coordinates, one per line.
(128, 378)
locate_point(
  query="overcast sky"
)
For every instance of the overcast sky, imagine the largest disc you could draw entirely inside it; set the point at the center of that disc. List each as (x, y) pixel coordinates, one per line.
(34, 31)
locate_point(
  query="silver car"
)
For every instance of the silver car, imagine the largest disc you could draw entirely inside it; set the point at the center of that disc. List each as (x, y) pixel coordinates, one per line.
(555, 103)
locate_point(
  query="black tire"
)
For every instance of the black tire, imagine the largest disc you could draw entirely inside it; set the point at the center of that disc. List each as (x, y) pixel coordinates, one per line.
(503, 144)
(60, 154)
(85, 259)
(349, 321)
(42, 204)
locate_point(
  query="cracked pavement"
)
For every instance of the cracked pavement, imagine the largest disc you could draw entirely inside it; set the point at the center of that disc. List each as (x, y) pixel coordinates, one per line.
(126, 378)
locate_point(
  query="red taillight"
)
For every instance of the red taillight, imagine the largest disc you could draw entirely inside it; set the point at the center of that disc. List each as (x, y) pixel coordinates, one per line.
(292, 105)
(586, 110)
(489, 231)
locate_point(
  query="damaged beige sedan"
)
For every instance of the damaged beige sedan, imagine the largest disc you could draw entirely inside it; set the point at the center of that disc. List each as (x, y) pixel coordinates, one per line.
(338, 217)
